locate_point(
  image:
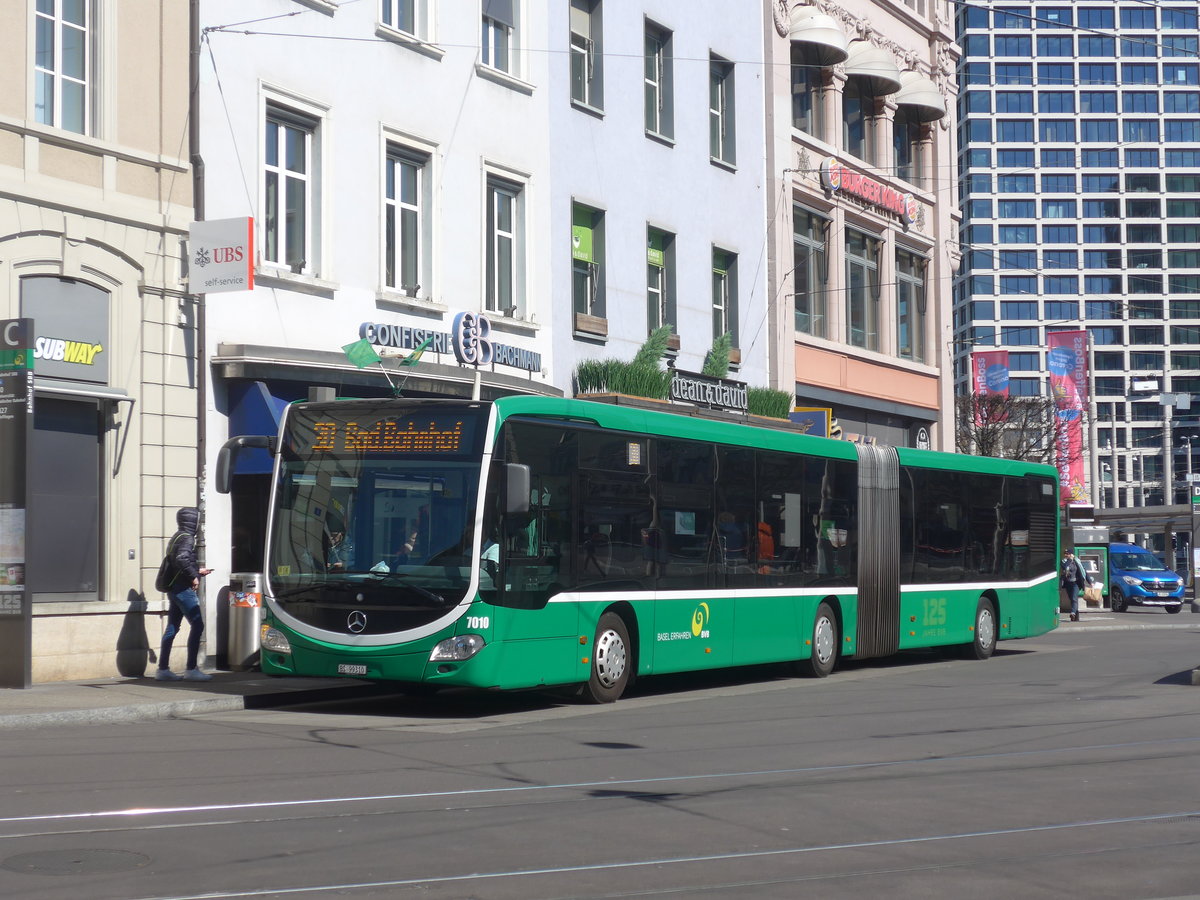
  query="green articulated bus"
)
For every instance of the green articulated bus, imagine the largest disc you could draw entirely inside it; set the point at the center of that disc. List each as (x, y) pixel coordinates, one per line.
(543, 541)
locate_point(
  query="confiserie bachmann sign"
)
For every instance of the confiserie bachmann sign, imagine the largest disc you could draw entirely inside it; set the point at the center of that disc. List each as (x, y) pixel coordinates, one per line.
(715, 393)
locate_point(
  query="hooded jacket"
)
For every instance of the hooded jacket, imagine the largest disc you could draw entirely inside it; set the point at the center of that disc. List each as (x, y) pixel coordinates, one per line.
(183, 547)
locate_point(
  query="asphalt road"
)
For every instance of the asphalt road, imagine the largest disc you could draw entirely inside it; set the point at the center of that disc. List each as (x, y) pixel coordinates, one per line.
(1066, 766)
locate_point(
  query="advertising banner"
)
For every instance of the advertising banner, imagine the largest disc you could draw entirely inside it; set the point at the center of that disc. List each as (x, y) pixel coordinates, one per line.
(989, 371)
(1066, 358)
(16, 430)
(989, 375)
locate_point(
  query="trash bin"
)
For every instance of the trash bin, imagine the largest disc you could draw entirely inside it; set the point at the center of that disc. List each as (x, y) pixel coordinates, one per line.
(245, 617)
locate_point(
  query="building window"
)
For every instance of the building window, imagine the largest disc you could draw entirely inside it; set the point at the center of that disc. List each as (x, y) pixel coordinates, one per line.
(658, 81)
(587, 258)
(499, 41)
(910, 305)
(587, 57)
(660, 279)
(724, 295)
(720, 110)
(505, 247)
(290, 168)
(504, 264)
(406, 221)
(907, 134)
(407, 16)
(810, 270)
(808, 93)
(862, 290)
(64, 65)
(858, 111)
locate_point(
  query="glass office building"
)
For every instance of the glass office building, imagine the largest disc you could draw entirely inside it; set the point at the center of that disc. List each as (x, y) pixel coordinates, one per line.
(1079, 181)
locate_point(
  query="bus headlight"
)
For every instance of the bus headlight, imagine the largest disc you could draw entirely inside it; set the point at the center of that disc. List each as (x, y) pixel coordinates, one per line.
(274, 639)
(457, 648)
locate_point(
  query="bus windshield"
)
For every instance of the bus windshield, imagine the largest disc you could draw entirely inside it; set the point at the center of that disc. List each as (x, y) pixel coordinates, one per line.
(374, 510)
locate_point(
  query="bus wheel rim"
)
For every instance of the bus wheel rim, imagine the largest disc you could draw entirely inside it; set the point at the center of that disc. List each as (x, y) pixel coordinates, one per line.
(610, 658)
(987, 628)
(823, 640)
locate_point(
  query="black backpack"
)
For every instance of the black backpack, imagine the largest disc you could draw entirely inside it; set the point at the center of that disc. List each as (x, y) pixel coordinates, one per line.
(167, 573)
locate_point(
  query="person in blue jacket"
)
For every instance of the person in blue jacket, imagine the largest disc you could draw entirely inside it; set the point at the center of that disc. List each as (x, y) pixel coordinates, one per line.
(1073, 580)
(184, 601)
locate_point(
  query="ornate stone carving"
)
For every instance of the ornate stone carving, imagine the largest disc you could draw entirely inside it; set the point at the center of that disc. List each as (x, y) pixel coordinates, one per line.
(779, 12)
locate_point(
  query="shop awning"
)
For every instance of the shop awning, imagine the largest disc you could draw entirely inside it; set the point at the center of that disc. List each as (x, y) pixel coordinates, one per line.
(874, 68)
(921, 96)
(818, 36)
(253, 409)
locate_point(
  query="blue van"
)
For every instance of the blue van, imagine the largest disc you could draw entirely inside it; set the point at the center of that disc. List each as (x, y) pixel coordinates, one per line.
(1136, 577)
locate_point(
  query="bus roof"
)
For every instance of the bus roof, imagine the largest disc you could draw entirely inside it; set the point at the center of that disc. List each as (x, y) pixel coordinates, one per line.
(670, 423)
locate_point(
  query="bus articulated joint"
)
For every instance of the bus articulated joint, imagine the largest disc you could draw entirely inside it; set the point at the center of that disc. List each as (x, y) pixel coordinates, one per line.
(459, 648)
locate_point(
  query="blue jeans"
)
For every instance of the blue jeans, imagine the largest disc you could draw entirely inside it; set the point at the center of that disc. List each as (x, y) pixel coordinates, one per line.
(184, 603)
(1072, 590)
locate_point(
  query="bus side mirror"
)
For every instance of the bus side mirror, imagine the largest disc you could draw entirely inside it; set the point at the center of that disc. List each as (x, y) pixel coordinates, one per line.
(227, 457)
(516, 488)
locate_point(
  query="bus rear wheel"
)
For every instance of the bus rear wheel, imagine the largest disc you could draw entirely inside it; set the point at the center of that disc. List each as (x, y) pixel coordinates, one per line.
(611, 659)
(985, 631)
(824, 644)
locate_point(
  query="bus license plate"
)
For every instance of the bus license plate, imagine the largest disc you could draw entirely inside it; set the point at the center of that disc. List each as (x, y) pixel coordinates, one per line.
(351, 669)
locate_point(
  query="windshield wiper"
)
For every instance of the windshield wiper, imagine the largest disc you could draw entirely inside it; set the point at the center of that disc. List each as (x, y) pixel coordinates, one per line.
(434, 599)
(338, 585)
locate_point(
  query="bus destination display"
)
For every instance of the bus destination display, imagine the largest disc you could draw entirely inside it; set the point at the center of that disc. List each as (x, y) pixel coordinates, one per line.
(392, 436)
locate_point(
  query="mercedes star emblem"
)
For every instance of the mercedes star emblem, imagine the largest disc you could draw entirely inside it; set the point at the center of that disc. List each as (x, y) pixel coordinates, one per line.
(357, 622)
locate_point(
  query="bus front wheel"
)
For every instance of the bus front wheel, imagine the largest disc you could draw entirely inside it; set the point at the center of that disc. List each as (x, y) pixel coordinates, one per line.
(824, 644)
(985, 631)
(611, 660)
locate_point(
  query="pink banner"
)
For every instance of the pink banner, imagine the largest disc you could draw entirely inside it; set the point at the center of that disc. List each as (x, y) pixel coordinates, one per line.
(1066, 358)
(989, 369)
(989, 373)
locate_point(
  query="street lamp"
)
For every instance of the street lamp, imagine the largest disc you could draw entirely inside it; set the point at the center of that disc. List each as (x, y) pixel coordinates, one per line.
(1187, 441)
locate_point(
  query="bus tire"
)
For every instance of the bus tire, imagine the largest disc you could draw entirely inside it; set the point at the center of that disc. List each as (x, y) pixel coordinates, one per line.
(984, 643)
(611, 660)
(825, 643)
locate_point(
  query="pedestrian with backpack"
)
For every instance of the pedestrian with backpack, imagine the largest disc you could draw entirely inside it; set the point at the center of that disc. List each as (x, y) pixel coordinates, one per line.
(179, 579)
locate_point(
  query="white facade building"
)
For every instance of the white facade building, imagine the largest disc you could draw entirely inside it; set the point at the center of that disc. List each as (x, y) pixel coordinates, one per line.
(577, 172)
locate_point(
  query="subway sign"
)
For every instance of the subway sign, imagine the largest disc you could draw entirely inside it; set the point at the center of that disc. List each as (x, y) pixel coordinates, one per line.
(836, 178)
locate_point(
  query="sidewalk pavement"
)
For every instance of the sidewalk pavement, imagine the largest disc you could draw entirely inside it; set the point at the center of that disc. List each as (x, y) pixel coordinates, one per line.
(119, 700)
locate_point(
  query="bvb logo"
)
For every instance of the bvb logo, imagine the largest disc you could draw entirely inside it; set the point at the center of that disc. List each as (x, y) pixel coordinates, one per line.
(700, 620)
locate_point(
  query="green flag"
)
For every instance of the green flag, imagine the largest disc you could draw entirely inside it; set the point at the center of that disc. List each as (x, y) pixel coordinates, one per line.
(411, 359)
(361, 353)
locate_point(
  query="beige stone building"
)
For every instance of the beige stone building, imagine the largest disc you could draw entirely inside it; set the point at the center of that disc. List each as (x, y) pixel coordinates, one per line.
(860, 164)
(95, 199)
